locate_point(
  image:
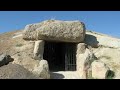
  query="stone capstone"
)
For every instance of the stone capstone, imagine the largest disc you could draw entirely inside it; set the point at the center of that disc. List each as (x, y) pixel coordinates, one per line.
(56, 30)
(15, 71)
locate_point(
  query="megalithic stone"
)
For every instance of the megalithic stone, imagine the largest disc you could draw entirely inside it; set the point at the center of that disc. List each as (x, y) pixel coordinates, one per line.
(56, 30)
(38, 50)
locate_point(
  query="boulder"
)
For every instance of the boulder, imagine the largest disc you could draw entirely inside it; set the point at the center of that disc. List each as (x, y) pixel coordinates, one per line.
(5, 59)
(15, 71)
(56, 30)
(99, 70)
(42, 70)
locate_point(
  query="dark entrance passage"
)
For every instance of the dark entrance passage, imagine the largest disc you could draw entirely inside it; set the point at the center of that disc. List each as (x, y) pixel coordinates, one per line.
(60, 56)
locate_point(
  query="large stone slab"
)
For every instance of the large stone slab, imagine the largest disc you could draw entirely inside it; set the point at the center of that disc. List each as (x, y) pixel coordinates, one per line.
(39, 50)
(15, 71)
(56, 30)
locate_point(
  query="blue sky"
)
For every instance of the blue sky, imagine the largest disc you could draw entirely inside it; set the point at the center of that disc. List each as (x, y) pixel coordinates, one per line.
(107, 22)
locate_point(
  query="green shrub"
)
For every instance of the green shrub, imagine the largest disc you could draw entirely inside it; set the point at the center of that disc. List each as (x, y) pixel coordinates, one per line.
(89, 75)
(19, 45)
(110, 74)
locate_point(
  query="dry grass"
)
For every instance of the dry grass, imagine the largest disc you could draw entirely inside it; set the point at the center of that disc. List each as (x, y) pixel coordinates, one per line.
(19, 49)
(7, 42)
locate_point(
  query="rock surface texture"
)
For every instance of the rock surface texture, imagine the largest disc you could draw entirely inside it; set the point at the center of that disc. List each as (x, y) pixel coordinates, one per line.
(84, 61)
(99, 70)
(42, 70)
(55, 30)
(38, 50)
(15, 71)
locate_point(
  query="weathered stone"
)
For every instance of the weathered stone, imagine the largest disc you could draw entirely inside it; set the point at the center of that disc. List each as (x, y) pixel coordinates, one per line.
(84, 62)
(55, 30)
(42, 70)
(5, 59)
(38, 50)
(99, 70)
(15, 71)
(81, 47)
(30, 32)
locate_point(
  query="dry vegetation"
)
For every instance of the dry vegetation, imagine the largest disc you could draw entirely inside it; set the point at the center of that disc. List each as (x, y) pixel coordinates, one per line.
(8, 43)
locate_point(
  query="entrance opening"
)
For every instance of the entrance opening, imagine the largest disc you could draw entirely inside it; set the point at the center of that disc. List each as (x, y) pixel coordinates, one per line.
(60, 56)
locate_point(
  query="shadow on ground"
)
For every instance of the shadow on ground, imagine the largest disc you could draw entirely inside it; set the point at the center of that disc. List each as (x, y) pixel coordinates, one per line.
(54, 75)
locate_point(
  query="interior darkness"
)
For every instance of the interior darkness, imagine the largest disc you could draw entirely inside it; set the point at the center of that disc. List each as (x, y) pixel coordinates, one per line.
(60, 56)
